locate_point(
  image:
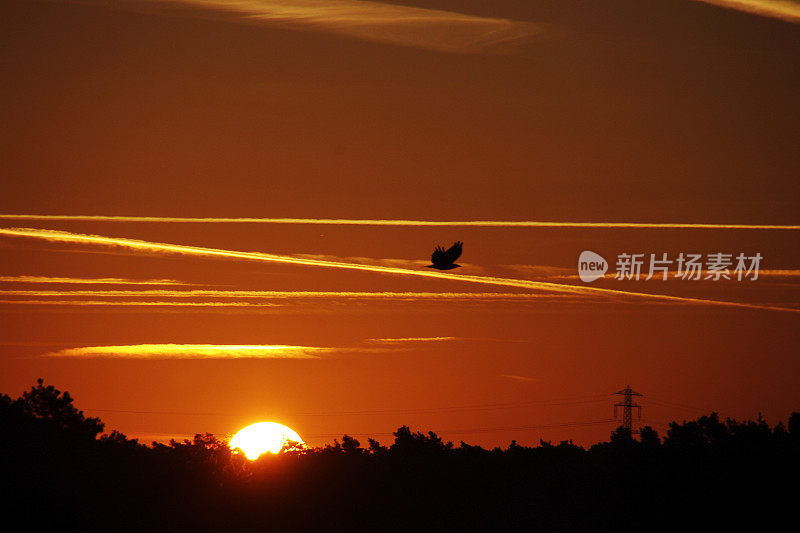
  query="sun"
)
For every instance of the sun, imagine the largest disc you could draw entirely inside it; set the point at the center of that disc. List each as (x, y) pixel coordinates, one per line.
(263, 437)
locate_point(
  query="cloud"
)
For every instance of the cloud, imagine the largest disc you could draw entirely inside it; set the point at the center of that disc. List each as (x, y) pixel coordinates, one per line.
(547, 272)
(543, 271)
(513, 377)
(402, 340)
(32, 343)
(209, 351)
(265, 301)
(779, 273)
(90, 281)
(397, 222)
(787, 10)
(193, 351)
(401, 263)
(157, 247)
(442, 31)
(431, 29)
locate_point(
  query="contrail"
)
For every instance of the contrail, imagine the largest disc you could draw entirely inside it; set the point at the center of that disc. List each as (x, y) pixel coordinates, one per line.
(401, 340)
(96, 303)
(90, 281)
(278, 295)
(157, 247)
(397, 222)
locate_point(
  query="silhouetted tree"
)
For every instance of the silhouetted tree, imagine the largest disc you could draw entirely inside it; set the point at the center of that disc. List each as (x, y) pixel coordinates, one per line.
(622, 436)
(351, 446)
(375, 447)
(48, 404)
(408, 442)
(649, 437)
(794, 426)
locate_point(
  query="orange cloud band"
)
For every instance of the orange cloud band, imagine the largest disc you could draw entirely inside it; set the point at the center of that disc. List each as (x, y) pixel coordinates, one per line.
(194, 351)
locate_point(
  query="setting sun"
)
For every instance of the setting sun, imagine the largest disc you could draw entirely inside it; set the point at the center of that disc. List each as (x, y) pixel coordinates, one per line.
(263, 437)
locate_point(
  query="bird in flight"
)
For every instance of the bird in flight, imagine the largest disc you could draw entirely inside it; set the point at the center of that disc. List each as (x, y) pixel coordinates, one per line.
(446, 259)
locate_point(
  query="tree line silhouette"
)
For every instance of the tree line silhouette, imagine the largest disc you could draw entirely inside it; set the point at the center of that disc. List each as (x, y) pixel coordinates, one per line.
(59, 469)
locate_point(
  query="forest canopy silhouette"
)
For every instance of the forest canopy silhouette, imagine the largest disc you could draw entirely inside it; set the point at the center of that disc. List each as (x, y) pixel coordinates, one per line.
(59, 468)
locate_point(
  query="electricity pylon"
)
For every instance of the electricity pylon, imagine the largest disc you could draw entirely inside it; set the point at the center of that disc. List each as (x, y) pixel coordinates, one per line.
(627, 407)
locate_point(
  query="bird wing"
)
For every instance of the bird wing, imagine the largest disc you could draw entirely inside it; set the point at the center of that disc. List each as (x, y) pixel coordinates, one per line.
(438, 256)
(454, 252)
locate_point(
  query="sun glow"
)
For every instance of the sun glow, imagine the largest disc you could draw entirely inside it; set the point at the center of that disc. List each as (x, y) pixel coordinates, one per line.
(264, 437)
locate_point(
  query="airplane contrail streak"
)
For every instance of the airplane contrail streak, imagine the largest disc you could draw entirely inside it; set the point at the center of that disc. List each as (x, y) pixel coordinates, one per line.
(89, 281)
(398, 222)
(157, 247)
(98, 303)
(274, 294)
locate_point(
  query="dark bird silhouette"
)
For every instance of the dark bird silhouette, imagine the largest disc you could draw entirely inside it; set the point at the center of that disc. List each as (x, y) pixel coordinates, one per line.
(446, 259)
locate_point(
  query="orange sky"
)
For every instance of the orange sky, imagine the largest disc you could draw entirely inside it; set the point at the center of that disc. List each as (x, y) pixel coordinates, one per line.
(675, 112)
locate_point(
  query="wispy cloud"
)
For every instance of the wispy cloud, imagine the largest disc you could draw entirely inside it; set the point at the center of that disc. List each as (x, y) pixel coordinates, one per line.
(442, 31)
(779, 273)
(90, 281)
(402, 263)
(522, 379)
(417, 27)
(401, 340)
(540, 271)
(545, 272)
(212, 351)
(244, 301)
(156, 247)
(787, 10)
(399, 222)
(194, 351)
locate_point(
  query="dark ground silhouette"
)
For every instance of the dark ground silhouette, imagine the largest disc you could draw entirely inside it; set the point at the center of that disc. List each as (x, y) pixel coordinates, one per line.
(706, 474)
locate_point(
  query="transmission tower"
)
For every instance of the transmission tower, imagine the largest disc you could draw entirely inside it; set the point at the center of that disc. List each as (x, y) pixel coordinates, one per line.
(627, 407)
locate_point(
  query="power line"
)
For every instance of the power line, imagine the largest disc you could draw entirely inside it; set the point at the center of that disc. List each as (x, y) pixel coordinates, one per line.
(627, 419)
(421, 410)
(477, 430)
(664, 403)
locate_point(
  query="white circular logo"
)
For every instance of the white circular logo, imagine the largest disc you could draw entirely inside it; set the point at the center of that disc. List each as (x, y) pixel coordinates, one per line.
(591, 266)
